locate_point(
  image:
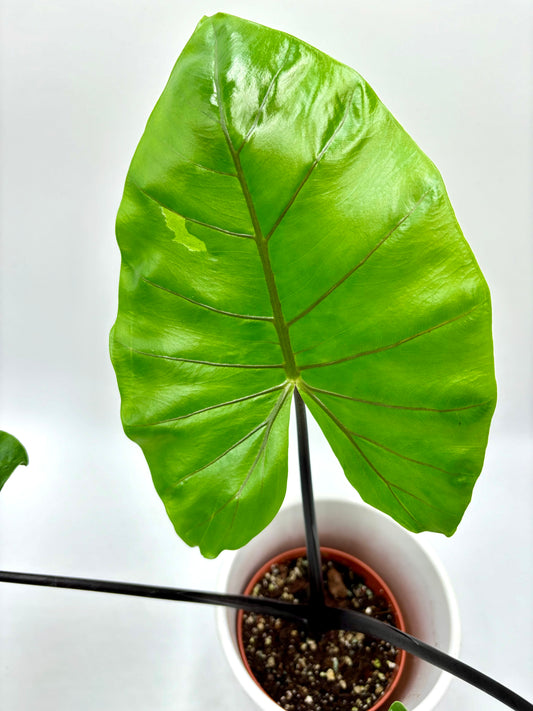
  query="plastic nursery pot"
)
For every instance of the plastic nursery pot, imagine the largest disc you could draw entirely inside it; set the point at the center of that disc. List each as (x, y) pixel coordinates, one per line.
(411, 569)
(370, 579)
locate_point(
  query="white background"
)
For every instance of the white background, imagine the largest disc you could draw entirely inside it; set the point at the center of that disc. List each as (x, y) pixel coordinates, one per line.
(78, 80)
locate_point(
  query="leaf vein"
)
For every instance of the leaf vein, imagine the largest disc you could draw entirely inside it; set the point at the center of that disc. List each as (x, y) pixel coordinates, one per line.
(390, 346)
(260, 109)
(391, 485)
(271, 419)
(201, 223)
(198, 362)
(213, 407)
(349, 436)
(398, 407)
(192, 162)
(246, 317)
(223, 454)
(359, 265)
(262, 246)
(268, 423)
(387, 483)
(312, 167)
(402, 456)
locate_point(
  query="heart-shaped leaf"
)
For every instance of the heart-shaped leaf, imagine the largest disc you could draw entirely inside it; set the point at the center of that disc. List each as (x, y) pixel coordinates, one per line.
(279, 229)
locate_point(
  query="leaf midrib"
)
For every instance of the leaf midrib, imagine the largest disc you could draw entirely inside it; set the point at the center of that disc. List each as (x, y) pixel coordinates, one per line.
(291, 369)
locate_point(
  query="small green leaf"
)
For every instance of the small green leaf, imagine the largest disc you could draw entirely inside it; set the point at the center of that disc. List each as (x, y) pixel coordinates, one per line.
(12, 453)
(279, 229)
(397, 706)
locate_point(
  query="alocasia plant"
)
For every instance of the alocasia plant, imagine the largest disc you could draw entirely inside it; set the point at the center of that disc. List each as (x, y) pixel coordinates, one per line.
(279, 229)
(281, 232)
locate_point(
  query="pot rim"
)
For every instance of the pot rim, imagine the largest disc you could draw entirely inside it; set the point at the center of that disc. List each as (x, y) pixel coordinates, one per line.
(372, 580)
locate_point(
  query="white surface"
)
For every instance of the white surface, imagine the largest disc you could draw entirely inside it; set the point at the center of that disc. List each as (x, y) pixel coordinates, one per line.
(78, 80)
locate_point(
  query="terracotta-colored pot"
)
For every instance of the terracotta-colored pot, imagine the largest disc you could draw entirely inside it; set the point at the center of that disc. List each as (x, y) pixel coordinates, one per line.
(371, 579)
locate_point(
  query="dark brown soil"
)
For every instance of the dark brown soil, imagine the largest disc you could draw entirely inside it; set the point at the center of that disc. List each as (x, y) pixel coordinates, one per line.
(341, 671)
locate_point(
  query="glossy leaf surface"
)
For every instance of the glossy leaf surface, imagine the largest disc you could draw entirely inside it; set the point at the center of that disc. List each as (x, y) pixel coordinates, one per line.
(279, 229)
(12, 454)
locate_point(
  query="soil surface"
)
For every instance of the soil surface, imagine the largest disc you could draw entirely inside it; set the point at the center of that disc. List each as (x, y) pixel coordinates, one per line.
(341, 671)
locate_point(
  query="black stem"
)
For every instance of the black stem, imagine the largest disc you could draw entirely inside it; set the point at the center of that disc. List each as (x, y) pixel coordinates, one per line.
(331, 617)
(336, 618)
(248, 603)
(312, 542)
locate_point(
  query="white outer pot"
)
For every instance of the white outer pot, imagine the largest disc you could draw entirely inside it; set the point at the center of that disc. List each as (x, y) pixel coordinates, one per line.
(411, 570)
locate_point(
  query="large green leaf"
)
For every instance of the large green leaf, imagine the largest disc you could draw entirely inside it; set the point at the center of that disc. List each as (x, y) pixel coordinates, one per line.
(279, 229)
(12, 454)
